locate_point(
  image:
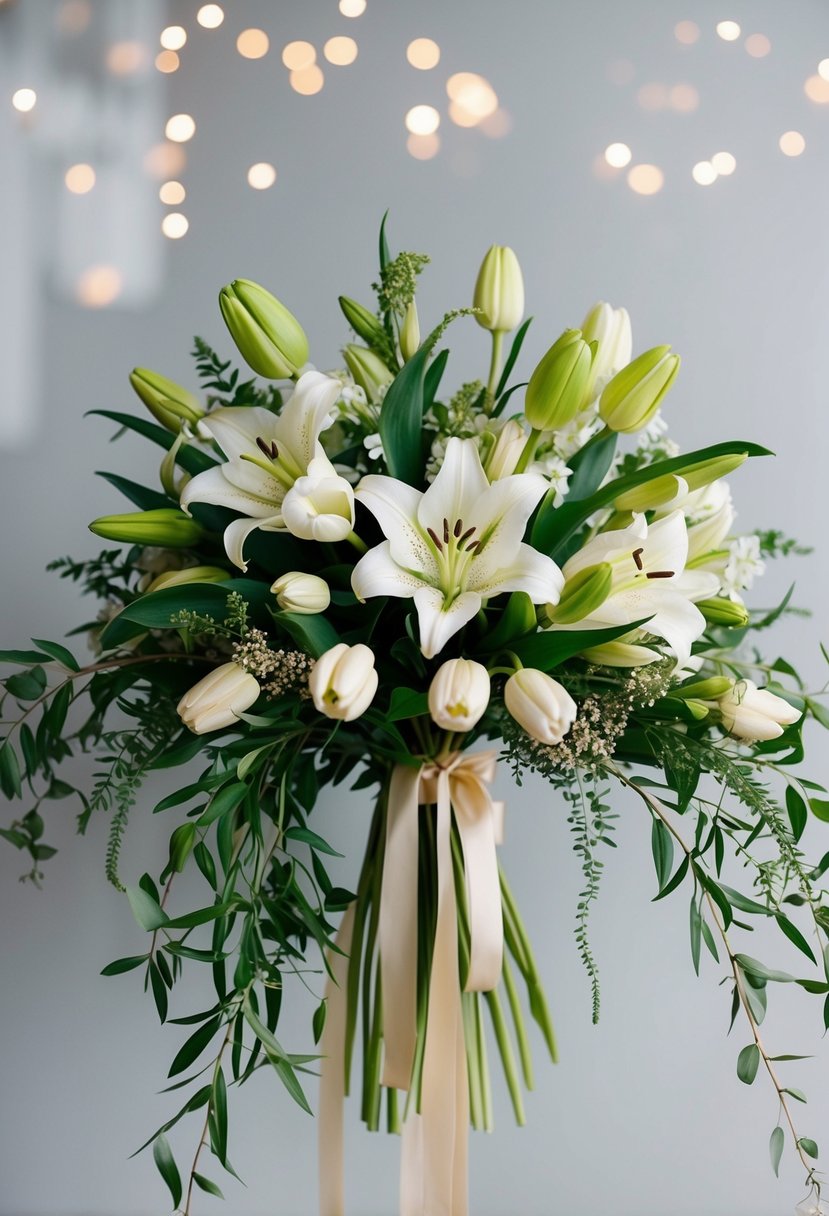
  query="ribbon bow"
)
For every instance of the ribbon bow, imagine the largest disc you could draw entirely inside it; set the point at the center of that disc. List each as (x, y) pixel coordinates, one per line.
(433, 1179)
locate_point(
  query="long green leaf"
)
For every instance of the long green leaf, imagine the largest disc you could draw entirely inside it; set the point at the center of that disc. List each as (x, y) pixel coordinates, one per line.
(142, 496)
(191, 459)
(552, 647)
(167, 1168)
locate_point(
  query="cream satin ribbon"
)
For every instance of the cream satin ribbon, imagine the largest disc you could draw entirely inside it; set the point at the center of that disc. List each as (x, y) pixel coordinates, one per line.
(433, 1178)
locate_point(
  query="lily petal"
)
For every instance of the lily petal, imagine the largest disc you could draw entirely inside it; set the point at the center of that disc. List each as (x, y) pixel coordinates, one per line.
(395, 505)
(377, 573)
(438, 623)
(607, 546)
(212, 486)
(528, 571)
(306, 414)
(237, 533)
(458, 490)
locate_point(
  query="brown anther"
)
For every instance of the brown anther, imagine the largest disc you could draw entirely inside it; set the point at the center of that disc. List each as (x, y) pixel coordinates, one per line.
(458, 528)
(636, 555)
(446, 531)
(465, 537)
(436, 539)
(269, 449)
(660, 574)
(474, 547)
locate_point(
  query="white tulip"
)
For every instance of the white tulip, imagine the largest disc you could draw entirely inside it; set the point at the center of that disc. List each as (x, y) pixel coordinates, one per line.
(343, 681)
(540, 704)
(218, 699)
(755, 714)
(301, 593)
(506, 451)
(459, 694)
(610, 329)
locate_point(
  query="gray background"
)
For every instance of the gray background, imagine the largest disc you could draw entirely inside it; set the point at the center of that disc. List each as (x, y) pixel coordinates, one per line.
(644, 1114)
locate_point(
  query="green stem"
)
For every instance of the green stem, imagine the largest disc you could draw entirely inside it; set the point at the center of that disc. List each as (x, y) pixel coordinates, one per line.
(359, 545)
(528, 450)
(518, 1022)
(504, 1042)
(495, 362)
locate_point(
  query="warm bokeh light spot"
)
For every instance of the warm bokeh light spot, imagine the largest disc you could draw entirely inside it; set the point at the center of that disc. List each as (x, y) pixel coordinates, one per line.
(165, 160)
(24, 100)
(423, 53)
(352, 8)
(175, 225)
(791, 143)
(173, 37)
(704, 173)
(126, 58)
(758, 46)
(423, 147)
(496, 125)
(618, 155)
(167, 61)
(816, 89)
(79, 179)
(210, 16)
(646, 179)
(340, 51)
(99, 286)
(307, 81)
(253, 44)
(724, 163)
(261, 176)
(729, 31)
(686, 32)
(422, 120)
(298, 55)
(684, 98)
(653, 96)
(172, 193)
(74, 16)
(473, 98)
(180, 128)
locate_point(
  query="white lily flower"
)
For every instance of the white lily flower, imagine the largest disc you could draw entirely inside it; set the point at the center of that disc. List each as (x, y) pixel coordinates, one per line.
(276, 473)
(455, 545)
(649, 579)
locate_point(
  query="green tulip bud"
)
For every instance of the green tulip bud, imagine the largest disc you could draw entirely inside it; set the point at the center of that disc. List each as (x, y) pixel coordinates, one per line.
(697, 709)
(410, 332)
(269, 337)
(368, 370)
(499, 291)
(168, 402)
(582, 595)
(724, 612)
(363, 322)
(517, 619)
(650, 495)
(702, 474)
(166, 526)
(557, 387)
(632, 397)
(710, 689)
(190, 574)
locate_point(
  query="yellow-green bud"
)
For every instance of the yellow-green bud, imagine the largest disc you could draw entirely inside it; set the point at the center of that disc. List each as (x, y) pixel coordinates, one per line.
(557, 387)
(499, 291)
(269, 337)
(704, 472)
(699, 709)
(651, 494)
(724, 612)
(582, 595)
(369, 371)
(410, 332)
(168, 402)
(620, 654)
(190, 574)
(632, 397)
(704, 690)
(165, 526)
(363, 322)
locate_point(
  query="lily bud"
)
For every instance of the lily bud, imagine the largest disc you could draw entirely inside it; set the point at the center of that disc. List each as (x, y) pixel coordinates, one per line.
(730, 613)
(632, 397)
(540, 704)
(706, 537)
(218, 699)
(558, 386)
(459, 694)
(269, 337)
(166, 526)
(302, 593)
(620, 654)
(504, 453)
(704, 690)
(410, 332)
(651, 494)
(702, 474)
(343, 681)
(610, 329)
(499, 291)
(369, 371)
(190, 574)
(582, 595)
(319, 507)
(363, 322)
(755, 714)
(168, 402)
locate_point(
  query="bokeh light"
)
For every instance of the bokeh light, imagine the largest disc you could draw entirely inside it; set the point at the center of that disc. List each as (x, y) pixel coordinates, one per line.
(496, 125)
(340, 51)
(791, 143)
(73, 16)
(684, 98)
(423, 147)
(816, 89)
(653, 96)
(180, 128)
(261, 176)
(79, 179)
(704, 173)
(167, 61)
(618, 155)
(98, 286)
(126, 58)
(686, 32)
(298, 55)
(646, 179)
(253, 44)
(307, 81)
(423, 53)
(724, 163)
(173, 37)
(472, 98)
(172, 193)
(24, 100)
(175, 225)
(165, 160)
(422, 120)
(729, 31)
(210, 17)
(352, 8)
(758, 46)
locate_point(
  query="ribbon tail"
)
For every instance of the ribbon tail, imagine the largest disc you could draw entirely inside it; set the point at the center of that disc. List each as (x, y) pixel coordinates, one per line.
(478, 826)
(332, 1076)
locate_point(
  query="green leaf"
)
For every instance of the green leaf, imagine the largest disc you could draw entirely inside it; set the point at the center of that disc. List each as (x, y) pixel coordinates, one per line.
(662, 847)
(681, 871)
(10, 782)
(797, 811)
(120, 965)
(406, 703)
(181, 844)
(223, 802)
(820, 808)
(27, 685)
(401, 417)
(23, 658)
(795, 936)
(312, 632)
(753, 967)
(318, 1020)
(748, 1062)
(154, 611)
(144, 498)
(202, 916)
(511, 360)
(809, 1147)
(312, 839)
(291, 1083)
(590, 466)
(189, 457)
(146, 910)
(777, 1141)
(220, 1116)
(797, 1094)
(192, 1048)
(432, 379)
(552, 647)
(59, 653)
(167, 1168)
(205, 1184)
(696, 932)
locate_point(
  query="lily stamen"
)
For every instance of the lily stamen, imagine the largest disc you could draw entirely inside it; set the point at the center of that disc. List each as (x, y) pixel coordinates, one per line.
(269, 449)
(637, 557)
(660, 574)
(434, 537)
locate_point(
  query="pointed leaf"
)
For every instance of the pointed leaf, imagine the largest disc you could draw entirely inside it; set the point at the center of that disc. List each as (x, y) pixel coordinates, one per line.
(167, 1168)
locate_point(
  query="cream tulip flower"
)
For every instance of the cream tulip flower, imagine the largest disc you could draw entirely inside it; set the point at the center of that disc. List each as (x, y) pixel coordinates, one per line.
(755, 714)
(218, 699)
(343, 681)
(540, 704)
(459, 694)
(455, 545)
(276, 473)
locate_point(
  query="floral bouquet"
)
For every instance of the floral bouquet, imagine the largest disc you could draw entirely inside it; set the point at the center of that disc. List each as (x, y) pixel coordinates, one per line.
(361, 576)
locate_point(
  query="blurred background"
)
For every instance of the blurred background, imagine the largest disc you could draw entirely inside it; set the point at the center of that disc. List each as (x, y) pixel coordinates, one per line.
(668, 156)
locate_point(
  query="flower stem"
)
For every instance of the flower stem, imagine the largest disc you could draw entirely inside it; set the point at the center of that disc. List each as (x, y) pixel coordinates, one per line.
(528, 450)
(495, 363)
(359, 545)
